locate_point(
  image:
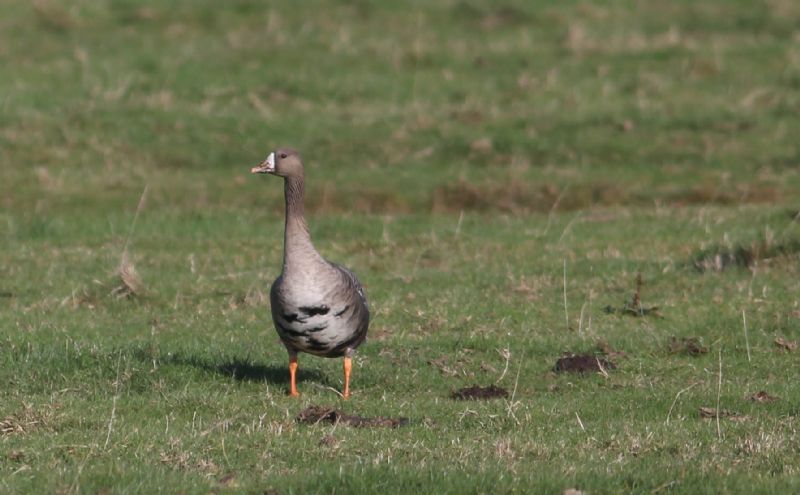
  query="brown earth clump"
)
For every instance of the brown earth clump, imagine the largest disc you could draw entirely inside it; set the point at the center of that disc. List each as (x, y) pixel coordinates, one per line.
(583, 363)
(686, 345)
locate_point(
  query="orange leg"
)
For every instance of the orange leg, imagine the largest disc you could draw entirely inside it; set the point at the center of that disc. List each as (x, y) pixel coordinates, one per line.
(293, 376)
(348, 365)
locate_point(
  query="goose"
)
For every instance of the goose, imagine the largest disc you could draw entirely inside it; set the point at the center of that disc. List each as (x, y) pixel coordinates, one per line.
(318, 307)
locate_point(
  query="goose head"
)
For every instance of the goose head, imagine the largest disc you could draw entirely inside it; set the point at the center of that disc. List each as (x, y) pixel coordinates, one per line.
(284, 162)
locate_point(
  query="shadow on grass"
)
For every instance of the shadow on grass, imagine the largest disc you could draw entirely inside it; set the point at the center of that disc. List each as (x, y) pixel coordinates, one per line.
(237, 368)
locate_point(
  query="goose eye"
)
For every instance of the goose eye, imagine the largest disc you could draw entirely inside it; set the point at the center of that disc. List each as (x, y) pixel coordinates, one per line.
(283, 155)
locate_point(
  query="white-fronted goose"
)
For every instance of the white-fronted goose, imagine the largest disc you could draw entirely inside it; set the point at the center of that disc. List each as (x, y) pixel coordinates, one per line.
(318, 307)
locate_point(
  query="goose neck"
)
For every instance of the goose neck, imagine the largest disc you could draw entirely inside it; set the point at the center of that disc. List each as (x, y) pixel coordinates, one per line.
(297, 246)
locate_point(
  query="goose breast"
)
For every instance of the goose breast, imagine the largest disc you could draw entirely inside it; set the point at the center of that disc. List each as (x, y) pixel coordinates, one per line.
(325, 314)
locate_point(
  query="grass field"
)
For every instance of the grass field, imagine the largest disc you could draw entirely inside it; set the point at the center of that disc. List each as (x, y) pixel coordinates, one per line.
(497, 175)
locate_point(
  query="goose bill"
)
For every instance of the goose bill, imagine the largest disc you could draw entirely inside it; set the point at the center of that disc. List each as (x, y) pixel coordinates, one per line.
(266, 167)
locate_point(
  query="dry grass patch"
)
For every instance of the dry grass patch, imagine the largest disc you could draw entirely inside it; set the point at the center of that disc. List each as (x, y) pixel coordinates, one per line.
(26, 420)
(320, 414)
(520, 196)
(745, 255)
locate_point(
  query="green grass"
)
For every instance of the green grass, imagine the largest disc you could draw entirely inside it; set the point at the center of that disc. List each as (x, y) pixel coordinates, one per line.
(496, 174)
